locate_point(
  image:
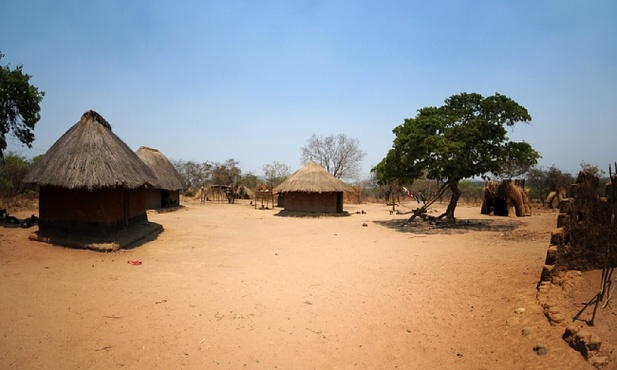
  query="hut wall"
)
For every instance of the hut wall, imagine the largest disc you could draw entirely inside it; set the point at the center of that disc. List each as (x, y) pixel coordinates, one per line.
(90, 212)
(311, 202)
(156, 198)
(153, 198)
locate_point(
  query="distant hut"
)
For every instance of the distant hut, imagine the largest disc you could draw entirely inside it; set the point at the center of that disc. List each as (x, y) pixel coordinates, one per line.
(313, 189)
(91, 182)
(244, 192)
(506, 198)
(167, 193)
(554, 198)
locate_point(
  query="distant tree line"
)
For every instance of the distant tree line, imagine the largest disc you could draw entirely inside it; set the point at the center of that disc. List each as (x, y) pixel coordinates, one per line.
(228, 173)
(540, 181)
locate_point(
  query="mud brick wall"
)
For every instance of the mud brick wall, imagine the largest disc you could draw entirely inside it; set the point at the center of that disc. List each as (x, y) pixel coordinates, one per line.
(583, 229)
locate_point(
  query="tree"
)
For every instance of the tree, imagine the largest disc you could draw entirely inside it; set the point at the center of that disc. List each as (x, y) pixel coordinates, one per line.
(275, 173)
(228, 174)
(19, 106)
(13, 171)
(250, 180)
(589, 168)
(339, 155)
(464, 138)
(541, 181)
(194, 174)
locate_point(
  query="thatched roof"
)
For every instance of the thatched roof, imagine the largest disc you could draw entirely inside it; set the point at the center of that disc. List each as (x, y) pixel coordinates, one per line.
(90, 156)
(312, 178)
(166, 174)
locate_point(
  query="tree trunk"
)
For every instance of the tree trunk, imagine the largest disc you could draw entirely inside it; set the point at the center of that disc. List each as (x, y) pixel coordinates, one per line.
(456, 194)
(423, 209)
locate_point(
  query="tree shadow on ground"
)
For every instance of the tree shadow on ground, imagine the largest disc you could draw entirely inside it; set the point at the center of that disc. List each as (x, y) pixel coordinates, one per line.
(461, 226)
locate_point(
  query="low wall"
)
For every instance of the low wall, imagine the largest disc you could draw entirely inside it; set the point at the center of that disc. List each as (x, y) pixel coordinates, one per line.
(584, 229)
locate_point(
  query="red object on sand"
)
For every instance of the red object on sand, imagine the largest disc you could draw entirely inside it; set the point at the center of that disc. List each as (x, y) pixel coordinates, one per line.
(134, 263)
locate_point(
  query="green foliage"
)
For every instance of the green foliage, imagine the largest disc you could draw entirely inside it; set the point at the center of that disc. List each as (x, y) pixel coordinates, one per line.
(12, 174)
(194, 174)
(226, 173)
(472, 192)
(250, 181)
(19, 106)
(464, 138)
(541, 181)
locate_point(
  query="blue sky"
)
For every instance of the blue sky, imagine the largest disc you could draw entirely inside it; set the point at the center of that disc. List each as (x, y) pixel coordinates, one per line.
(252, 80)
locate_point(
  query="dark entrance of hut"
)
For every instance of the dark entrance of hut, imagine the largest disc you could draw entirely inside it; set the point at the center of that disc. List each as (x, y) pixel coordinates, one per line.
(497, 206)
(165, 197)
(339, 202)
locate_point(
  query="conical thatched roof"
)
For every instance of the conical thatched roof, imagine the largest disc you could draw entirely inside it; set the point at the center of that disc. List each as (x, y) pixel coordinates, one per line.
(312, 178)
(90, 156)
(166, 174)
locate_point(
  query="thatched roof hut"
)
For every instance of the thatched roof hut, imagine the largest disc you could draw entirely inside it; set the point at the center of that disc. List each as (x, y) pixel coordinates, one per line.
(170, 183)
(506, 198)
(313, 189)
(89, 156)
(90, 181)
(244, 192)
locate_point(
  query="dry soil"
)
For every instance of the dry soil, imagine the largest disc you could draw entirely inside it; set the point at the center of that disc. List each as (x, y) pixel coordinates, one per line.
(234, 287)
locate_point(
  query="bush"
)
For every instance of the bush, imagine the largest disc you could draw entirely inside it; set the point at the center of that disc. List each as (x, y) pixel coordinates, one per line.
(12, 174)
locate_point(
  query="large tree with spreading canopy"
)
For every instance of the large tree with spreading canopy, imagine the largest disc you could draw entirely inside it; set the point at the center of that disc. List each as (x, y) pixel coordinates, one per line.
(464, 138)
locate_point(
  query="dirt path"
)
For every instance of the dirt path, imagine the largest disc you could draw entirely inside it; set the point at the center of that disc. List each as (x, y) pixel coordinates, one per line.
(231, 287)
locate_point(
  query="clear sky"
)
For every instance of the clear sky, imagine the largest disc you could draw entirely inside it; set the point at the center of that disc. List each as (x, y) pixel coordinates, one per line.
(252, 80)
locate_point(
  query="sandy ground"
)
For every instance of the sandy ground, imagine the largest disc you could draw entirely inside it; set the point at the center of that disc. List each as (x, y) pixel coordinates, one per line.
(232, 287)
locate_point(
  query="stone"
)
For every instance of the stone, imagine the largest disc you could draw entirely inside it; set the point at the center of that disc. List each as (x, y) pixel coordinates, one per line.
(583, 341)
(557, 236)
(598, 361)
(557, 318)
(540, 349)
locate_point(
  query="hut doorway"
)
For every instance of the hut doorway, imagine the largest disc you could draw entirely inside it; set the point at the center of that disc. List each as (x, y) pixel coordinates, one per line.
(165, 197)
(500, 208)
(339, 202)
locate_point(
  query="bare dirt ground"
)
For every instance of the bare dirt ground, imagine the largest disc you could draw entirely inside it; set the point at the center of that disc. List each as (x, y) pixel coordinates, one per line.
(232, 287)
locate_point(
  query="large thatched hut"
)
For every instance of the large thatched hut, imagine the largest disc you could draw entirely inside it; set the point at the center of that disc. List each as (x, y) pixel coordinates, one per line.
(167, 193)
(91, 182)
(313, 189)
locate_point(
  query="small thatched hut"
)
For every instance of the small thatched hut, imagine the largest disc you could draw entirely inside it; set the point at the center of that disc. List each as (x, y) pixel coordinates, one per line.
(506, 198)
(244, 192)
(91, 182)
(313, 189)
(167, 193)
(554, 198)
